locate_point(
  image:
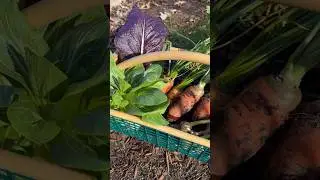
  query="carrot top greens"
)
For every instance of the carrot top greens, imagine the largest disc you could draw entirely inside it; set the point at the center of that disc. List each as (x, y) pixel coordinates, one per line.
(304, 58)
(272, 40)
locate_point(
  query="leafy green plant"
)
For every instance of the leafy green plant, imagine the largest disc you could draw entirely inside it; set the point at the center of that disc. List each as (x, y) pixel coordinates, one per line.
(137, 91)
(53, 89)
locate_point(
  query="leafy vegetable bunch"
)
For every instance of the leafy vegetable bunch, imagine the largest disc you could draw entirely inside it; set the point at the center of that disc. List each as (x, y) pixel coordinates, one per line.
(52, 88)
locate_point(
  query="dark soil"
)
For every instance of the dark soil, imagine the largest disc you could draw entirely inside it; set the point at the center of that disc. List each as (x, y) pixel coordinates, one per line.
(133, 159)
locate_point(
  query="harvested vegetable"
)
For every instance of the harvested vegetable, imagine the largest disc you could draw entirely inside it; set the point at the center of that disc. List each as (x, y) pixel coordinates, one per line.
(168, 86)
(202, 110)
(252, 116)
(138, 92)
(196, 73)
(298, 156)
(140, 34)
(187, 99)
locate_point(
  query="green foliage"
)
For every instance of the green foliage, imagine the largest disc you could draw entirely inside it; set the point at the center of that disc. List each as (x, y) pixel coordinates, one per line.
(50, 86)
(137, 91)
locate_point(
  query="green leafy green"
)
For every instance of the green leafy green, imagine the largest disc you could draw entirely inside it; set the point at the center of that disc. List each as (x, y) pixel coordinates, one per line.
(86, 40)
(6, 95)
(137, 91)
(75, 154)
(94, 122)
(2, 123)
(43, 75)
(24, 117)
(148, 97)
(52, 87)
(16, 31)
(155, 118)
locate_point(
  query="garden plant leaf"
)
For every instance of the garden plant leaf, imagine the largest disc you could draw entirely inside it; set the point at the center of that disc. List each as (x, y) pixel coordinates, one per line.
(25, 118)
(140, 34)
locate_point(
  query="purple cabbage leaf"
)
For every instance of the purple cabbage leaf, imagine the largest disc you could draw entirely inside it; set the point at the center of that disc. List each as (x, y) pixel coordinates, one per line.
(140, 34)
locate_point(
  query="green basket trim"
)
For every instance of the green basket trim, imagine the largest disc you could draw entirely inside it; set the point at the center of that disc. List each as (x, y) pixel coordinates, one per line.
(160, 139)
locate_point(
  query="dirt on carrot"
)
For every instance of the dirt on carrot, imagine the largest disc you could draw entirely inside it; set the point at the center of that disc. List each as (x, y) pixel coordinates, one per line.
(173, 94)
(202, 110)
(250, 118)
(219, 99)
(167, 87)
(298, 156)
(185, 102)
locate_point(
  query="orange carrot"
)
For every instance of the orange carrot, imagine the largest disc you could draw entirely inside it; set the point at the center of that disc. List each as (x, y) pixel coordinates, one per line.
(194, 75)
(219, 98)
(185, 102)
(298, 156)
(174, 93)
(253, 116)
(202, 109)
(188, 98)
(168, 86)
(250, 118)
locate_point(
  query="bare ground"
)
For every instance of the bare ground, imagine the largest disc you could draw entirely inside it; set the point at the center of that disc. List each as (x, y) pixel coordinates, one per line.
(177, 15)
(132, 159)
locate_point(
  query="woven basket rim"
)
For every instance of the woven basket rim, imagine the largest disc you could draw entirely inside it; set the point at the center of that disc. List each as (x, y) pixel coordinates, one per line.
(164, 129)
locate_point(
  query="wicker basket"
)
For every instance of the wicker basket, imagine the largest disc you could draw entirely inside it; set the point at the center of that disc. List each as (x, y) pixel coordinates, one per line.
(162, 136)
(12, 165)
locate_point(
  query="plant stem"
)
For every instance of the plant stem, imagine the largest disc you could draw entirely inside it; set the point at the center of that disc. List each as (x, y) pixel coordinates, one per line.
(195, 74)
(304, 58)
(204, 80)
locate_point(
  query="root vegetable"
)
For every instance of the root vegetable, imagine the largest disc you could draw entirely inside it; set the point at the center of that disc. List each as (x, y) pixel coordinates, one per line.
(188, 98)
(174, 93)
(202, 110)
(218, 98)
(185, 102)
(298, 157)
(194, 75)
(251, 117)
(168, 86)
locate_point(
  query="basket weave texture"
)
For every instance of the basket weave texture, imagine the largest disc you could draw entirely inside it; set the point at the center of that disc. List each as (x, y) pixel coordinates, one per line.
(160, 139)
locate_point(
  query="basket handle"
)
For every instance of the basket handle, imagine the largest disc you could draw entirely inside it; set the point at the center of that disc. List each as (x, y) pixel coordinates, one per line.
(164, 56)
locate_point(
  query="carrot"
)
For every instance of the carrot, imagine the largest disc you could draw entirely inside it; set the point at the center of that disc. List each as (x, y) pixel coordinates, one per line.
(168, 86)
(188, 98)
(249, 119)
(202, 110)
(174, 93)
(298, 155)
(252, 116)
(219, 98)
(194, 75)
(185, 103)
